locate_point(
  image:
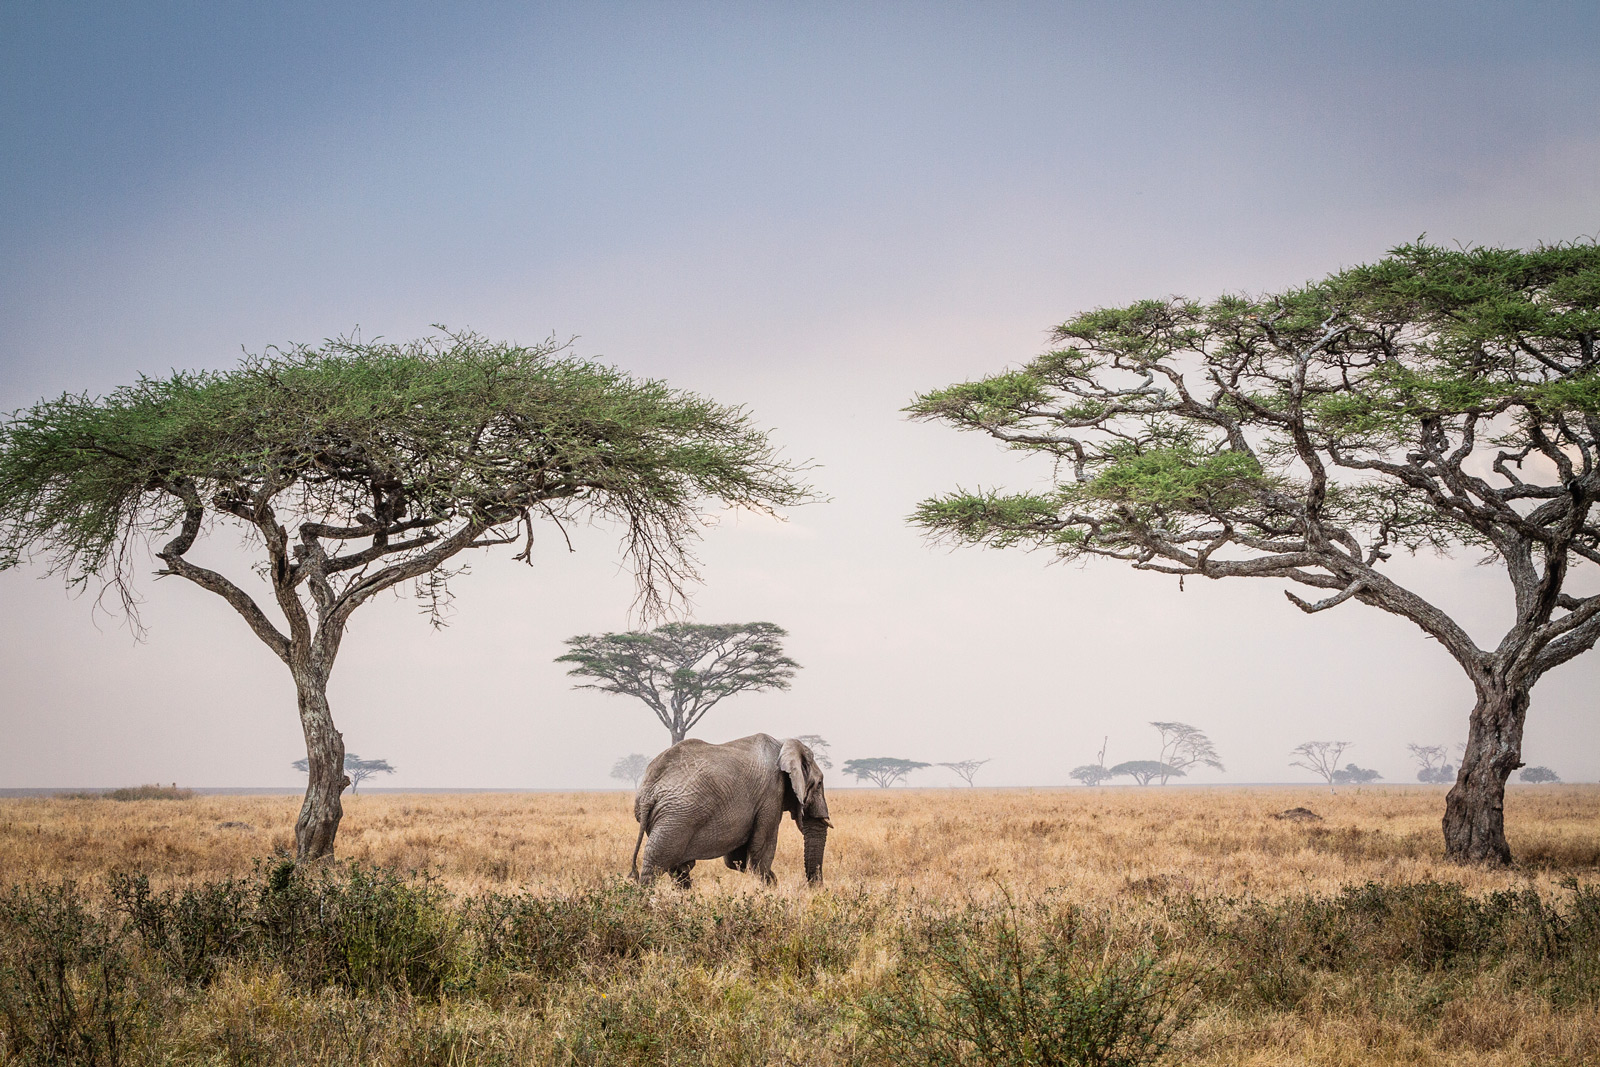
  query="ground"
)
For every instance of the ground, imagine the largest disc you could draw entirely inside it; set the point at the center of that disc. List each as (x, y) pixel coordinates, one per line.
(1183, 875)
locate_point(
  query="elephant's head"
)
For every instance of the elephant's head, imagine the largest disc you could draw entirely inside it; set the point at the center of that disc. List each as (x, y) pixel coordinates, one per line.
(805, 800)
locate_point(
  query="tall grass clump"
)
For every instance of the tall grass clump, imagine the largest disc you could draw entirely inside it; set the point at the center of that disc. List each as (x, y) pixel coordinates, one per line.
(1005, 986)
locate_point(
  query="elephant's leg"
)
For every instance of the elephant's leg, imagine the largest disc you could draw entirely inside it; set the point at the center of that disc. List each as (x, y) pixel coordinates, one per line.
(764, 844)
(680, 873)
(739, 858)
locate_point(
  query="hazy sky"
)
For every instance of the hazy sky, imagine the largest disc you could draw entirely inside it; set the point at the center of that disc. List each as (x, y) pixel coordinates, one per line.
(816, 210)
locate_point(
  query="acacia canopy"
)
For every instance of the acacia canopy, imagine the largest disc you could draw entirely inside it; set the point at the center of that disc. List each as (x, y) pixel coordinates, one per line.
(355, 467)
(683, 669)
(1442, 399)
(884, 770)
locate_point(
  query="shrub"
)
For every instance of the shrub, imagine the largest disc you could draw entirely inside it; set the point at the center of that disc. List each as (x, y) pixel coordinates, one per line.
(66, 993)
(986, 987)
(149, 792)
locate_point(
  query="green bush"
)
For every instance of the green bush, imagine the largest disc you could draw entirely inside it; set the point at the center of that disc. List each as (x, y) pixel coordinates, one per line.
(66, 981)
(1004, 986)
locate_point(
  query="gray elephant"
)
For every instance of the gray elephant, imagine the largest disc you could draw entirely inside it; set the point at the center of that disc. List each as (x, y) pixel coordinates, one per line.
(699, 801)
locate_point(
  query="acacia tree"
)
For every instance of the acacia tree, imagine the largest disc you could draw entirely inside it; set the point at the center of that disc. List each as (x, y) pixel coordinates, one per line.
(1436, 399)
(1321, 758)
(819, 748)
(967, 768)
(355, 467)
(1350, 774)
(884, 770)
(630, 768)
(356, 769)
(1184, 746)
(1539, 775)
(1431, 763)
(683, 669)
(1145, 771)
(1090, 773)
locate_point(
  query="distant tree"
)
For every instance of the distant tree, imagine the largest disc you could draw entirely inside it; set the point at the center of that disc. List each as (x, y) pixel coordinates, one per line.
(681, 670)
(1353, 775)
(1183, 746)
(1431, 764)
(1320, 758)
(1090, 773)
(356, 769)
(884, 770)
(1441, 399)
(360, 467)
(630, 768)
(1539, 775)
(1145, 771)
(819, 748)
(967, 768)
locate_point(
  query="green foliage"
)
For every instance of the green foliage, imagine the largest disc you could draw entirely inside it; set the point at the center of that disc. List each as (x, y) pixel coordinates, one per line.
(1539, 775)
(1167, 417)
(991, 986)
(997, 519)
(451, 428)
(1177, 479)
(997, 401)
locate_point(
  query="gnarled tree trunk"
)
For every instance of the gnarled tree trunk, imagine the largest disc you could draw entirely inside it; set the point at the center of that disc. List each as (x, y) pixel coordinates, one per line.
(1474, 814)
(315, 829)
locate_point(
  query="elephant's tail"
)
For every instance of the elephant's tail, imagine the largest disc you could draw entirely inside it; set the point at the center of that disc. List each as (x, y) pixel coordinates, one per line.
(634, 867)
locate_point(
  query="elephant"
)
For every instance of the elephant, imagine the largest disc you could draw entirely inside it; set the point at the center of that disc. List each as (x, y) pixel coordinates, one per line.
(699, 801)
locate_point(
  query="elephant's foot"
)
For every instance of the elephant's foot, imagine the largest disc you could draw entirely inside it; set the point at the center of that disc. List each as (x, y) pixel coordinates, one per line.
(680, 874)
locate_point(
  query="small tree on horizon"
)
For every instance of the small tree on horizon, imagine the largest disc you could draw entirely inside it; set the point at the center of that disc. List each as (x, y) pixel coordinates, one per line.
(1320, 758)
(1089, 773)
(683, 669)
(884, 770)
(631, 768)
(1441, 399)
(819, 748)
(967, 768)
(1431, 764)
(1350, 774)
(356, 769)
(358, 467)
(1183, 746)
(1539, 775)
(1145, 771)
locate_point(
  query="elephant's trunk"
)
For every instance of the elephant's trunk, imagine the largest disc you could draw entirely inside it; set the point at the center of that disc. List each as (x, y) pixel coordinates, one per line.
(816, 835)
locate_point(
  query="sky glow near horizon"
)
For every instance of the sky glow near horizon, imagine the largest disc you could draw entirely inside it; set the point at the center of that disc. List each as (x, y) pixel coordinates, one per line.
(815, 211)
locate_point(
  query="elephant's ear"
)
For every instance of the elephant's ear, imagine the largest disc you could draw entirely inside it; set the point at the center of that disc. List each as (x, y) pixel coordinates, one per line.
(792, 761)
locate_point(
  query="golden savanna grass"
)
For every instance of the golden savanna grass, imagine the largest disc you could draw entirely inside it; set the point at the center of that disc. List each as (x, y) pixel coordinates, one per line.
(1128, 856)
(1092, 844)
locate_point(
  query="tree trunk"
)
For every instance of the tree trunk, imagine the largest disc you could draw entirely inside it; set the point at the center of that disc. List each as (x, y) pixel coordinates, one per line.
(1474, 812)
(319, 818)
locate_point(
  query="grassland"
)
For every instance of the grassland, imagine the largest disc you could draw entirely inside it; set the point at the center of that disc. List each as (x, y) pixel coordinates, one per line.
(1342, 941)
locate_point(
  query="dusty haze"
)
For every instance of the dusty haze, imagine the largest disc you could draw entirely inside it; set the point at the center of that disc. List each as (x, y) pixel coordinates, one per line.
(817, 212)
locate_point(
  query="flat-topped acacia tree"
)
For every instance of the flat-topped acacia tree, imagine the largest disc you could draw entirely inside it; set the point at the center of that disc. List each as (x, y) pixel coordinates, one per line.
(681, 670)
(355, 467)
(1443, 399)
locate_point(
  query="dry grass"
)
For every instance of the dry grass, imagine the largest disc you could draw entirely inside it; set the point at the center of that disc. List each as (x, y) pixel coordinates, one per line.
(1129, 858)
(1094, 844)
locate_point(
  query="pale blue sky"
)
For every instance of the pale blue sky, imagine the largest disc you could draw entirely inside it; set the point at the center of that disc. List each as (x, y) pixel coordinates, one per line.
(814, 209)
